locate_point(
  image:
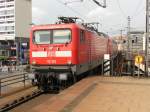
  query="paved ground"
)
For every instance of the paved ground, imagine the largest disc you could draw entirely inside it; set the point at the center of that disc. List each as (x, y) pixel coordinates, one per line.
(97, 94)
(124, 94)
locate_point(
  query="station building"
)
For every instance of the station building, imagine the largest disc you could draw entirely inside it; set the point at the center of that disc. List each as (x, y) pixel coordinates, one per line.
(15, 22)
(136, 41)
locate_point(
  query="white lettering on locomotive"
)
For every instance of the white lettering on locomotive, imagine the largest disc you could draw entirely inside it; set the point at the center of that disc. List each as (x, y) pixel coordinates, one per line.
(40, 54)
(63, 54)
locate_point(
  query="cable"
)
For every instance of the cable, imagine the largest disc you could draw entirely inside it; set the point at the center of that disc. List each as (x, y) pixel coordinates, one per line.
(59, 1)
(70, 2)
(138, 5)
(122, 11)
(138, 13)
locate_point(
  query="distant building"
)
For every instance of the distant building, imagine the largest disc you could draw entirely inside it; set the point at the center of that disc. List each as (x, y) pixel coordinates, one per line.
(121, 41)
(15, 20)
(136, 41)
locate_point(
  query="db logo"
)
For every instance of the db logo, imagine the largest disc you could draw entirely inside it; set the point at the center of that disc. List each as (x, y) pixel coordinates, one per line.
(51, 54)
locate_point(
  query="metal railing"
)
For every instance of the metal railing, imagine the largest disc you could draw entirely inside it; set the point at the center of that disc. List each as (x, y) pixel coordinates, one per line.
(13, 79)
(13, 68)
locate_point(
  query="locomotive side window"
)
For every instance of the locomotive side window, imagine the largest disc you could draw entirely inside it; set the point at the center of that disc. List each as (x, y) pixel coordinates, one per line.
(42, 37)
(82, 36)
(61, 36)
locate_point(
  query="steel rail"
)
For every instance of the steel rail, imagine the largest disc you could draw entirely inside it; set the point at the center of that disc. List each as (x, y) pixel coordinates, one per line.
(20, 100)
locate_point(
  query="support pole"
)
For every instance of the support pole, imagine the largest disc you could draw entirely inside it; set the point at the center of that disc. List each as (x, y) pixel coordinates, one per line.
(128, 47)
(128, 33)
(147, 36)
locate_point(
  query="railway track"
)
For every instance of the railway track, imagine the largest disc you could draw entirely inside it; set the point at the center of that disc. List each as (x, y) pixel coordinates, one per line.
(33, 103)
(6, 101)
(29, 99)
(57, 102)
(20, 100)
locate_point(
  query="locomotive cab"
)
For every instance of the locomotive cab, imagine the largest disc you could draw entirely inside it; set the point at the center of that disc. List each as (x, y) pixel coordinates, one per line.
(51, 47)
(52, 54)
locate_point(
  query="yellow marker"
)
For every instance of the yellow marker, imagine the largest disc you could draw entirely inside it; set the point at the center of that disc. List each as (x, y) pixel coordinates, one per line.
(138, 59)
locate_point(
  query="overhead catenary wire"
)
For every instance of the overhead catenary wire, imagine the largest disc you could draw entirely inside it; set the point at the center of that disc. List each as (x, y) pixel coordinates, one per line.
(59, 1)
(137, 7)
(70, 2)
(75, 11)
(121, 10)
(138, 13)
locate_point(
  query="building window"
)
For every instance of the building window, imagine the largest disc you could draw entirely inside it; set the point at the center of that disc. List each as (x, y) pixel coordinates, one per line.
(2, 28)
(2, 17)
(10, 32)
(2, 12)
(10, 6)
(2, 1)
(2, 22)
(2, 6)
(10, 22)
(9, 16)
(2, 33)
(9, 0)
(10, 12)
(9, 27)
(136, 39)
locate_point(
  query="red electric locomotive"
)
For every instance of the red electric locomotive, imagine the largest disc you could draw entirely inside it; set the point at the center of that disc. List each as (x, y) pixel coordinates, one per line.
(61, 52)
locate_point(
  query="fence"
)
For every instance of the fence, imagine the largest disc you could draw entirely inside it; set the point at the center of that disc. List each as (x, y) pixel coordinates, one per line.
(9, 69)
(13, 79)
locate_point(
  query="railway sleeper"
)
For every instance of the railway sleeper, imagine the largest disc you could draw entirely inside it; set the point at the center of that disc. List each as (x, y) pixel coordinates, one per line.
(19, 101)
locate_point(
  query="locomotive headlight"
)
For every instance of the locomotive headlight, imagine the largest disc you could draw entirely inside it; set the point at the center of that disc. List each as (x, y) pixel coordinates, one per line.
(69, 62)
(33, 62)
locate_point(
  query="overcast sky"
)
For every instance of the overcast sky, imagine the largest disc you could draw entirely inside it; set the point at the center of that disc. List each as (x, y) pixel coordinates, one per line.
(112, 19)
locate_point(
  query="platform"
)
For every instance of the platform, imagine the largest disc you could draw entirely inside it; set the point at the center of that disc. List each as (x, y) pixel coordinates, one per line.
(117, 95)
(97, 94)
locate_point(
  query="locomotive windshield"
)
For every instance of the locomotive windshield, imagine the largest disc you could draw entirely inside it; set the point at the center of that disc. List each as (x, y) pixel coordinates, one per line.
(52, 37)
(61, 36)
(42, 37)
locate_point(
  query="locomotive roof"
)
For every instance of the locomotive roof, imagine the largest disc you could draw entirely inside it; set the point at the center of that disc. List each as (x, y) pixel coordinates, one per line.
(54, 26)
(67, 25)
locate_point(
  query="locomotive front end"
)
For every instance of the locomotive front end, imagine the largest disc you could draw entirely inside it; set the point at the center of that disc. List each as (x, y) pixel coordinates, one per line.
(51, 55)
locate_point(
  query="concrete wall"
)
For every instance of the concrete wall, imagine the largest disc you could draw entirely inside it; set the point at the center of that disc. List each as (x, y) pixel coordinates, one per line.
(23, 17)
